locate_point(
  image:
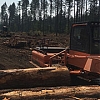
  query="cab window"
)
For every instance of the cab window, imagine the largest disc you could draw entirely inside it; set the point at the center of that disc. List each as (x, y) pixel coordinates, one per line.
(80, 38)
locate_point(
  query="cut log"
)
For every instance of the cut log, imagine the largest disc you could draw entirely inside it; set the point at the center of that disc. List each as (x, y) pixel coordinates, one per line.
(55, 93)
(34, 77)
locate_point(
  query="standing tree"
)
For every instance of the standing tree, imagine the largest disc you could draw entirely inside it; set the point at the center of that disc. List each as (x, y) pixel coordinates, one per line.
(25, 4)
(51, 10)
(12, 16)
(19, 16)
(35, 13)
(93, 9)
(4, 15)
(57, 7)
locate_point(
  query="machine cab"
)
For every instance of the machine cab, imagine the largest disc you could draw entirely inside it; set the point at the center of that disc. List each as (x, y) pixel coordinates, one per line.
(85, 37)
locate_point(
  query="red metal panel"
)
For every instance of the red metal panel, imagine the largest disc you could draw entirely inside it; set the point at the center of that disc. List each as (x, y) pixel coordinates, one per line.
(79, 62)
(40, 58)
(85, 61)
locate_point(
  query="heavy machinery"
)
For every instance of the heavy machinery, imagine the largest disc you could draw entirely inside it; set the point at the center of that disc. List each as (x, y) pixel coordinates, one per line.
(4, 32)
(82, 57)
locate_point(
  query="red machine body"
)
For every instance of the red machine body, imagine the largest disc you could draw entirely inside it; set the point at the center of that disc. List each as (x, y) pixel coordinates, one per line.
(83, 55)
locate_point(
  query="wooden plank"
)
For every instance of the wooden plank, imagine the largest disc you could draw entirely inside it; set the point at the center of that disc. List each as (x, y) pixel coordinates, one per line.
(35, 65)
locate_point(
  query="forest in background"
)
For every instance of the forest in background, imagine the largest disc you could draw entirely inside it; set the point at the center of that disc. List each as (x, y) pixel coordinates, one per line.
(48, 16)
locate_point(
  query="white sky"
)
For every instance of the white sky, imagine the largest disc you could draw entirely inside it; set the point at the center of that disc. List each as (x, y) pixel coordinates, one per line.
(9, 2)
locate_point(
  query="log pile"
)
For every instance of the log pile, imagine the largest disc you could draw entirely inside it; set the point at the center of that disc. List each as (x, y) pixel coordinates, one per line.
(43, 83)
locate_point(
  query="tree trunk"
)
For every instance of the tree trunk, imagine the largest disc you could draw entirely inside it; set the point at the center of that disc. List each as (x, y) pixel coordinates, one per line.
(34, 77)
(55, 93)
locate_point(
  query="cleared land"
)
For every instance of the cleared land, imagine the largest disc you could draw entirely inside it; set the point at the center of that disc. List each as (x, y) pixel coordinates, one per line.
(18, 58)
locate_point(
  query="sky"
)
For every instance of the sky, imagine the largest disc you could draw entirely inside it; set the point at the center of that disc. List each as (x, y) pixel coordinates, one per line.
(9, 2)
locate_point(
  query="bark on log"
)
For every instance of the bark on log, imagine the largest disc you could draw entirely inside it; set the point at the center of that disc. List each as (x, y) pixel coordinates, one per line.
(34, 77)
(67, 93)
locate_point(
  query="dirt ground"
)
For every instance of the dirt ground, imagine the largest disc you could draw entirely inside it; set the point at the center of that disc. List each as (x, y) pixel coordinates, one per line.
(11, 58)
